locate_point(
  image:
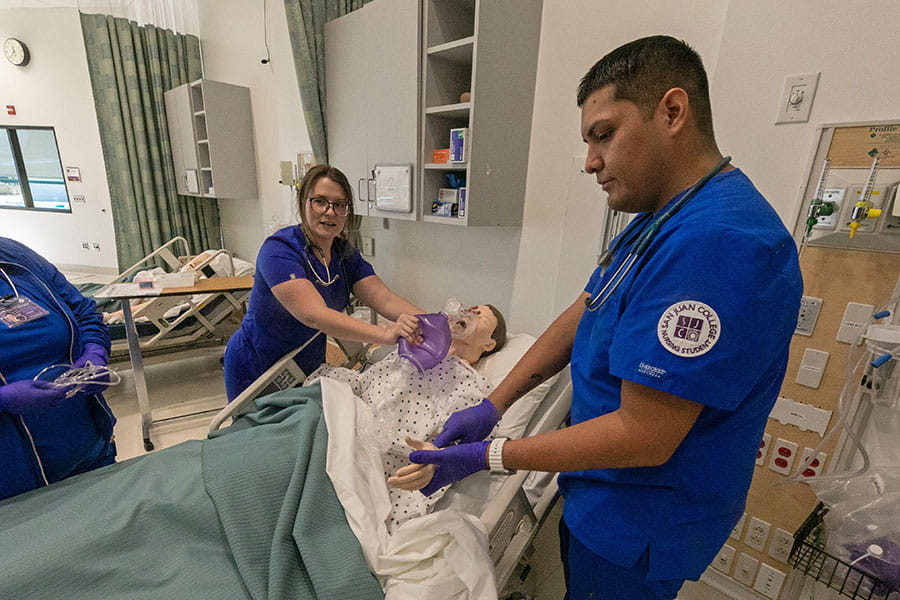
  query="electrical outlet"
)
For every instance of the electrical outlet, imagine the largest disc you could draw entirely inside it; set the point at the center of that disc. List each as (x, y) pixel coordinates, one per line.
(724, 559)
(813, 466)
(809, 312)
(738, 528)
(368, 246)
(757, 534)
(745, 569)
(85, 246)
(96, 246)
(783, 454)
(763, 449)
(769, 581)
(780, 547)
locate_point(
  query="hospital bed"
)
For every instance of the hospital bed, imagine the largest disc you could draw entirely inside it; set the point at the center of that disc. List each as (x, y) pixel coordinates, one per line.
(250, 513)
(167, 322)
(511, 507)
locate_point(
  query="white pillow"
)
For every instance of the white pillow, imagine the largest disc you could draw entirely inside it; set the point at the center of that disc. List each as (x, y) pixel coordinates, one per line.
(495, 367)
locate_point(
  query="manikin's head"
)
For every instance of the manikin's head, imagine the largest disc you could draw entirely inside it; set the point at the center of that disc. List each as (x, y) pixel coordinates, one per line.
(488, 336)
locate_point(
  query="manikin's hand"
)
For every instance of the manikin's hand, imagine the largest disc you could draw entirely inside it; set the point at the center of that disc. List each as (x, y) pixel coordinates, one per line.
(414, 477)
(407, 327)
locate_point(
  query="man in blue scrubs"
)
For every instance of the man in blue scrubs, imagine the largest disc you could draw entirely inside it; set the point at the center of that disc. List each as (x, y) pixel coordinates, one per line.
(676, 361)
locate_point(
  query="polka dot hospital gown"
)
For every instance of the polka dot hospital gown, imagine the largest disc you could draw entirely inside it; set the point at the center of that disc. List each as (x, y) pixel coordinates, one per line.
(404, 402)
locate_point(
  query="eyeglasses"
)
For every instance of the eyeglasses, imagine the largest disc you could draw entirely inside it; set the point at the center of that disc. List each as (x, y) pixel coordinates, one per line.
(321, 205)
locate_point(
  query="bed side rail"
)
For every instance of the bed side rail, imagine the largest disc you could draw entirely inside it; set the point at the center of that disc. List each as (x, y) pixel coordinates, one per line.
(282, 375)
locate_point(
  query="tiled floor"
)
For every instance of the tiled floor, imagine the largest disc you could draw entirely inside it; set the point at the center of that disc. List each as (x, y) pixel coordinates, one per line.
(192, 380)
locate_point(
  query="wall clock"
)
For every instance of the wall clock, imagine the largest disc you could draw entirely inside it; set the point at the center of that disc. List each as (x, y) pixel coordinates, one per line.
(16, 52)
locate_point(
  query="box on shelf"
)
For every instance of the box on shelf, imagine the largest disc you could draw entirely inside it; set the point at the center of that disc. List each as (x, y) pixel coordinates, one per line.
(458, 144)
(440, 156)
(448, 196)
(462, 196)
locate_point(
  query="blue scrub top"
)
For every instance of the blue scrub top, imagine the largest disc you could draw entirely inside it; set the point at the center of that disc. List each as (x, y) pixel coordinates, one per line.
(268, 330)
(706, 314)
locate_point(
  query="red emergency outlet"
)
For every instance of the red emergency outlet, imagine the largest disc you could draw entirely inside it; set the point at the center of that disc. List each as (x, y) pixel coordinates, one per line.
(10, 109)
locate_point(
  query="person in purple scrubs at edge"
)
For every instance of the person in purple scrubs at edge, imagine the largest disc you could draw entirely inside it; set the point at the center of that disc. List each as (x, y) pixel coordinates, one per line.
(47, 433)
(677, 345)
(305, 274)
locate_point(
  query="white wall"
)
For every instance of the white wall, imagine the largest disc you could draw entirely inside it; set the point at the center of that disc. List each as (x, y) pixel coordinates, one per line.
(233, 44)
(54, 90)
(563, 226)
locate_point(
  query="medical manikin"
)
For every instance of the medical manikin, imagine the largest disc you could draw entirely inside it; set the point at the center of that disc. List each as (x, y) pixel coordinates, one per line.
(409, 395)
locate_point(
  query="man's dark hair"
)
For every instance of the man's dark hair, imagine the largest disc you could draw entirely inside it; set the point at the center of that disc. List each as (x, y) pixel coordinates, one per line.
(499, 334)
(642, 72)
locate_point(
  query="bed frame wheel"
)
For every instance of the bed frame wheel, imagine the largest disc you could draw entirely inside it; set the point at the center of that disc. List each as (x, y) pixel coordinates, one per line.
(148, 445)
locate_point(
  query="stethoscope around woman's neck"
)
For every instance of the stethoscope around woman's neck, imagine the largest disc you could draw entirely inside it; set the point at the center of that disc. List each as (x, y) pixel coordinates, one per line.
(10, 281)
(328, 278)
(646, 236)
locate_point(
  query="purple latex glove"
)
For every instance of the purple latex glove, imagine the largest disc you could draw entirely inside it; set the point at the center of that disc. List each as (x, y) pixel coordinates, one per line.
(469, 424)
(453, 463)
(29, 396)
(435, 342)
(95, 353)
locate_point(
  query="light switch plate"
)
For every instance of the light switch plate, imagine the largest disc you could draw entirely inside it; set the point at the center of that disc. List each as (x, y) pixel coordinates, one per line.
(856, 315)
(745, 569)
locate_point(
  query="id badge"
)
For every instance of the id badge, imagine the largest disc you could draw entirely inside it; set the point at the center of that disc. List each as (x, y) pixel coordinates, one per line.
(21, 310)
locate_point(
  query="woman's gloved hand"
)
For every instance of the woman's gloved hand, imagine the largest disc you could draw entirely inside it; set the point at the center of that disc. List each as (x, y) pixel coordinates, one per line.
(28, 396)
(97, 356)
(469, 424)
(453, 463)
(93, 353)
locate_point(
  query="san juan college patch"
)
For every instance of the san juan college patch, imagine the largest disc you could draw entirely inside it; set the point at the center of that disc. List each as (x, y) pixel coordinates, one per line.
(689, 328)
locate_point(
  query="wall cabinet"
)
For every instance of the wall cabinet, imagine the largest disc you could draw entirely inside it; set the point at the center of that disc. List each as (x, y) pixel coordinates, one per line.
(489, 49)
(394, 76)
(372, 99)
(211, 134)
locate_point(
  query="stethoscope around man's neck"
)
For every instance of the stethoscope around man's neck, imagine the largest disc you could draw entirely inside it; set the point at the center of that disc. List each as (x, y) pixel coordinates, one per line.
(646, 236)
(10, 281)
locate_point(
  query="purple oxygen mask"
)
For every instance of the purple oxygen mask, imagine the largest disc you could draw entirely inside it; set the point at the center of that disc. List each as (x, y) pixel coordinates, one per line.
(435, 342)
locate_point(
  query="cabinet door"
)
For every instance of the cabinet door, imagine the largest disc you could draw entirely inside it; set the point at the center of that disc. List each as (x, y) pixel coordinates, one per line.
(345, 108)
(392, 51)
(179, 117)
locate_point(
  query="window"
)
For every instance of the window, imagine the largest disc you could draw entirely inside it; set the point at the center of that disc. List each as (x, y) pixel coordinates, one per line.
(31, 174)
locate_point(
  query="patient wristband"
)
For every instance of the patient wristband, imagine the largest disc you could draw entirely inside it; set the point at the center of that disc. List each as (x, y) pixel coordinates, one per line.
(495, 457)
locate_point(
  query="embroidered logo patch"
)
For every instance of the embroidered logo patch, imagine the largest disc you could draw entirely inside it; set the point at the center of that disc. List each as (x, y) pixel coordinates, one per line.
(689, 328)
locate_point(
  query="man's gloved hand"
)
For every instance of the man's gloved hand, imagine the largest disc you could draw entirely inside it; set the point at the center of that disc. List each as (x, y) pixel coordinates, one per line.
(29, 396)
(95, 353)
(471, 424)
(452, 463)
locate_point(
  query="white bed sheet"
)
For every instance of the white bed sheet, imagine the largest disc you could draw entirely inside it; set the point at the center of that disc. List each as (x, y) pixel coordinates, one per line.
(441, 556)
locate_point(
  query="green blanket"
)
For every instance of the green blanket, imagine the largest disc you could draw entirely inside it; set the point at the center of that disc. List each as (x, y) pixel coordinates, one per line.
(248, 514)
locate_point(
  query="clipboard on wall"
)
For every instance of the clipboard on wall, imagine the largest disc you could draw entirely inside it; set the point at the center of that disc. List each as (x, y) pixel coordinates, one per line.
(392, 188)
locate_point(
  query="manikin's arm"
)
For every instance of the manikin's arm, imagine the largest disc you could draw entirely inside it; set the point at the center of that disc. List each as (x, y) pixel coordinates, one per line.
(304, 302)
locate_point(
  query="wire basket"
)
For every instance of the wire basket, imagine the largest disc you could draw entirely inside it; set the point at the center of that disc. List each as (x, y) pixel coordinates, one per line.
(808, 558)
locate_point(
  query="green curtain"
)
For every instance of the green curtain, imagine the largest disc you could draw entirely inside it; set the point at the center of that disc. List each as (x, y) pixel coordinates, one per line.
(306, 24)
(131, 66)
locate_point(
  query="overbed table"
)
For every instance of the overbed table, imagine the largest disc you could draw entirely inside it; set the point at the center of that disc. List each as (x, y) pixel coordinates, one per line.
(125, 292)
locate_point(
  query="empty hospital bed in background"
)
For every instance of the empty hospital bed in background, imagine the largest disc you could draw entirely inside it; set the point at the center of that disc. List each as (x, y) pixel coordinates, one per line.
(166, 322)
(511, 507)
